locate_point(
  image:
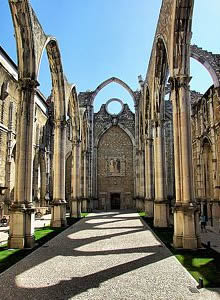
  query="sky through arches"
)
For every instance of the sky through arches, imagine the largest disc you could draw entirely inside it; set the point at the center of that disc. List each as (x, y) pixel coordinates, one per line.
(112, 38)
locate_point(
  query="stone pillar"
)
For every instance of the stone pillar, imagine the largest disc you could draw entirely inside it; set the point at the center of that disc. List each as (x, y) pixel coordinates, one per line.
(9, 176)
(161, 207)
(85, 182)
(79, 181)
(21, 232)
(59, 202)
(149, 186)
(74, 211)
(137, 177)
(186, 229)
(142, 179)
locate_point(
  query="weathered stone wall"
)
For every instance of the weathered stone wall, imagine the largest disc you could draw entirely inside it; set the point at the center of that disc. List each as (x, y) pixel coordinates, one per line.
(115, 173)
(9, 99)
(7, 123)
(206, 152)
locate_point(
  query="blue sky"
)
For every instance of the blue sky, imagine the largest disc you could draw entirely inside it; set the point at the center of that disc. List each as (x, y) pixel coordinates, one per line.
(100, 39)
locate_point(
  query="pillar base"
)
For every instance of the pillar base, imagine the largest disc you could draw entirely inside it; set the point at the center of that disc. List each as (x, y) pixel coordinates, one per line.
(21, 230)
(58, 214)
(186, 226)
(139, 203)
(74, 208)
(149, 207)
(161, 214)
(84, 205)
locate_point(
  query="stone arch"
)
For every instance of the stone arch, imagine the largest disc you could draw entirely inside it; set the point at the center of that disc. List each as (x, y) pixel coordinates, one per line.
(161, 75)
(180, 44)
(73, 112)
(115, 80)
(207, 59)
(57, 76)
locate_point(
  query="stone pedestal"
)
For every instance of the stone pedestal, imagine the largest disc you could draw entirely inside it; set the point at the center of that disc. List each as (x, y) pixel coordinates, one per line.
(74, 210)
(84, 205)
(178, 227)
(139, 203)
(58, 214)
(161, 214)
(187, 231)
(149, 207)
(21, 231)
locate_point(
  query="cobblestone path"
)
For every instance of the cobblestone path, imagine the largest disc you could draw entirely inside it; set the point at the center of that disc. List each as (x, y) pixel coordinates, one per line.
(105, 256)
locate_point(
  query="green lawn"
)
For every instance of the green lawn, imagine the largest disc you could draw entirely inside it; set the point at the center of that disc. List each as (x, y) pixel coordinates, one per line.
(201, 263)
(84, 214)
(142, 214)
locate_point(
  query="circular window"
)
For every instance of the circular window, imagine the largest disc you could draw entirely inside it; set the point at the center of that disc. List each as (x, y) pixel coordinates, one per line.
(114, 106)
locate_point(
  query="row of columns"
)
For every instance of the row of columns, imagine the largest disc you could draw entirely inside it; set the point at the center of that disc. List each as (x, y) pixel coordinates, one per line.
(22, 213)
(186, 229)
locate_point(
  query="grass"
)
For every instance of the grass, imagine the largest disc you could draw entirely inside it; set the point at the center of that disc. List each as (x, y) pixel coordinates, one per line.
(142, 214)
(84, 214)
(200, 263)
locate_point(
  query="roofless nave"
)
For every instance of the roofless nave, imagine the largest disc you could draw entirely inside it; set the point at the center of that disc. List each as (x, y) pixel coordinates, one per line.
(57, 153)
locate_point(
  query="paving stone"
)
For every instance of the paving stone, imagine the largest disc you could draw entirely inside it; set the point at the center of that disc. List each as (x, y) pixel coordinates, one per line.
(105, 256)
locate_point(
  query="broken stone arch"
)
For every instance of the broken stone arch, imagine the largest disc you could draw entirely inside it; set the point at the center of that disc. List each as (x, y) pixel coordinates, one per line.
(207, 59)
(115, 80)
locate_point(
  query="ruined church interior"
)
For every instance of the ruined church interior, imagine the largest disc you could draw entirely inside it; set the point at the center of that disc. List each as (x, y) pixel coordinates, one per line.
(161, 156)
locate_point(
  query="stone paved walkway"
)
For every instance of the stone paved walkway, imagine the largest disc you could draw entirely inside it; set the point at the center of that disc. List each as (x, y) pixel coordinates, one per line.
(211, 236)
(106, 256)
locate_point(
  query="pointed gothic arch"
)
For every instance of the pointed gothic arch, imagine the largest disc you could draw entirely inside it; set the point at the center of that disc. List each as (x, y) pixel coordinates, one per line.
(115, 80)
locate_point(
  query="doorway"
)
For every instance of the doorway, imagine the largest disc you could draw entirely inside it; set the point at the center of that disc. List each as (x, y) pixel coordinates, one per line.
(115, 201)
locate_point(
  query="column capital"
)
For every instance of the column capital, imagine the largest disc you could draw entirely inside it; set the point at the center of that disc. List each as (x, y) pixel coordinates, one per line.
(60, 123)
(179, 81)
(28, 83)
(76, 142)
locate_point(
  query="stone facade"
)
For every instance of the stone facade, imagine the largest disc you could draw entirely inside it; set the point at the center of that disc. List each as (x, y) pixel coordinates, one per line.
(114, 158)
(8, 130)
(206, 150)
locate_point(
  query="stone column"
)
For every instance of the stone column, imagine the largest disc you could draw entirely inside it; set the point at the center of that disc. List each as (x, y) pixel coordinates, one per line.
(85, 182)
(8, 179)
(79, 181)
(142, 175)
(149, 186)
(186, 229)
(74, 190)
(161, 207)
(137, 177)
(21, 232)
(59, 202)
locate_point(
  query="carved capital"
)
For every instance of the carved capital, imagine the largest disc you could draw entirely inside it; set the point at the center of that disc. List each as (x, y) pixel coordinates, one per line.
(28, 84)
(181, 81)
(76, 142)
(60, 124)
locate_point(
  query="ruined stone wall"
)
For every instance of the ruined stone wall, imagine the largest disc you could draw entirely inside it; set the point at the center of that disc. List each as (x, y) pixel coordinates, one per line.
(206, 152)
(7, 103)
(113, 135)
(115, 168)
(9, 99)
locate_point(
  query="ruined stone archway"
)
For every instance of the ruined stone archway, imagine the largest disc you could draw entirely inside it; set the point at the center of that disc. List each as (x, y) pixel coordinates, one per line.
(209, 60)
(115, 80)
